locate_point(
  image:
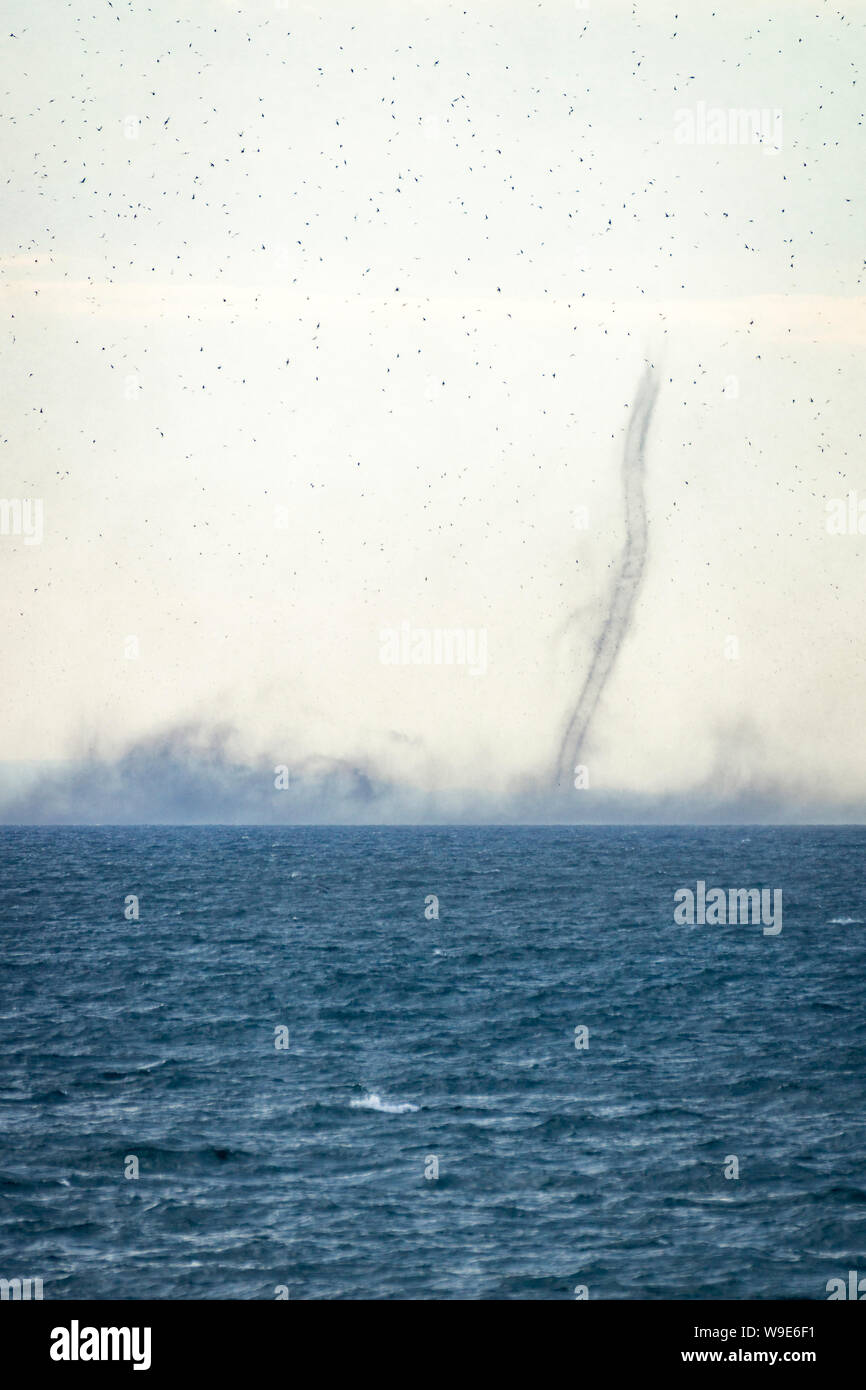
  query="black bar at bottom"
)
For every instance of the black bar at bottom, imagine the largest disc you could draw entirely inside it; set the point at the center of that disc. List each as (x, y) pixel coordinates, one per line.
(164, 1340)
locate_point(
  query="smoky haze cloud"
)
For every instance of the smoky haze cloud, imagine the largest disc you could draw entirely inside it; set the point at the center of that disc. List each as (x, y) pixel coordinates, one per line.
(191, 774)
(626, 584)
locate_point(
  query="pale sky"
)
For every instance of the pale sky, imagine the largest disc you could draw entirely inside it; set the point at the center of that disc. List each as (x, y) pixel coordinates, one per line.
(323, 319)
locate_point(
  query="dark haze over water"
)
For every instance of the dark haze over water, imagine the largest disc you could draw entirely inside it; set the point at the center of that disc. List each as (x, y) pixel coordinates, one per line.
(411, 1037)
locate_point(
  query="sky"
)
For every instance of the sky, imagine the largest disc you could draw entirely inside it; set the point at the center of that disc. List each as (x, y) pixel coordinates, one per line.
(323, 325)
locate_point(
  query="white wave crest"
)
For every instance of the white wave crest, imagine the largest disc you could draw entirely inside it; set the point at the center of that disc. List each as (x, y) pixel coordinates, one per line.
(389, 1107)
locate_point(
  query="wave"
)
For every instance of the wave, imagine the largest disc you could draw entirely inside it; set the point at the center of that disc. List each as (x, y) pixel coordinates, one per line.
(388, 1107)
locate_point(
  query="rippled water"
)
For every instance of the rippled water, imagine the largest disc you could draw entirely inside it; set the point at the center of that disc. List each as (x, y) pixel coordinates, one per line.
(413, 1039)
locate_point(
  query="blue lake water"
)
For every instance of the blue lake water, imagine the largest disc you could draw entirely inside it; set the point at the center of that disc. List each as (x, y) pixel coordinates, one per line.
(412, 1040)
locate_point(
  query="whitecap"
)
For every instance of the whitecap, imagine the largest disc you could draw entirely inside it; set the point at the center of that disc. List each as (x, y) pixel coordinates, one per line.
(388, 1107)
(844, 921)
